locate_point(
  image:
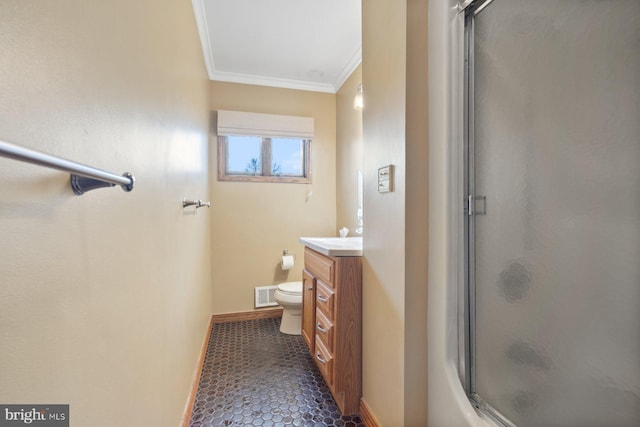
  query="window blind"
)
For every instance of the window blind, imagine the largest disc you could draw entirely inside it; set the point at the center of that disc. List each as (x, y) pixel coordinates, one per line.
(269, 125)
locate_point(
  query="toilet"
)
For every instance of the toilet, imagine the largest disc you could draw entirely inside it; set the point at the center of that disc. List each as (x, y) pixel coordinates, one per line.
(289, 296)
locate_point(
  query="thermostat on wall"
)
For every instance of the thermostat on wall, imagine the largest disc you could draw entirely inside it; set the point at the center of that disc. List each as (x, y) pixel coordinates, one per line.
(385, 179)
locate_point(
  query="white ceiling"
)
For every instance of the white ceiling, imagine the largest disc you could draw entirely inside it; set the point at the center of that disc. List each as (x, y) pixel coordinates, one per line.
(299, 44)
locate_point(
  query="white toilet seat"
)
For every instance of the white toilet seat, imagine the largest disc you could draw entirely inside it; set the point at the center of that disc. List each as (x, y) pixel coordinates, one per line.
(290, 288)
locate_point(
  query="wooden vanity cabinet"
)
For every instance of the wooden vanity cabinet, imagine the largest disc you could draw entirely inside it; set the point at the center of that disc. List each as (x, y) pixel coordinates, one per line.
(332, 323)
(308, 309)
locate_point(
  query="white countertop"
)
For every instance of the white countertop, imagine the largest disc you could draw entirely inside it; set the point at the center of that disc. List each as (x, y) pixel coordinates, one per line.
(334, 246)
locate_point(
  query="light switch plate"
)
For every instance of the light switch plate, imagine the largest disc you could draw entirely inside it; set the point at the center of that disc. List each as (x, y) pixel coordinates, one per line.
(385, 179)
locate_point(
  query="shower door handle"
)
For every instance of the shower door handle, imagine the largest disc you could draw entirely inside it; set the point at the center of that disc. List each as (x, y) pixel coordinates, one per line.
(471, 208)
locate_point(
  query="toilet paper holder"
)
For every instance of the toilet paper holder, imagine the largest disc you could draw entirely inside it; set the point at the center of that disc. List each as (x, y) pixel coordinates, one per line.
(288, 260)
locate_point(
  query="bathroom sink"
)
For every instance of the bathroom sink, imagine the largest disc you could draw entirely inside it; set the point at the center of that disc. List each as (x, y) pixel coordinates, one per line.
(334, 246)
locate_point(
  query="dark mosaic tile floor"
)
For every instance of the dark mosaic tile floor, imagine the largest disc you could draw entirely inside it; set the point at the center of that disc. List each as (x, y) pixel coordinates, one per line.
(255, 376)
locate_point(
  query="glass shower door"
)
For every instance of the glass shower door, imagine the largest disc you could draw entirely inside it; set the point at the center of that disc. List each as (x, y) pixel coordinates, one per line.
(554, 249)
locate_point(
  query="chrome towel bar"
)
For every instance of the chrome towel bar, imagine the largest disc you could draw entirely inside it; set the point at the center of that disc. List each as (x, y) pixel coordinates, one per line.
(83, 178)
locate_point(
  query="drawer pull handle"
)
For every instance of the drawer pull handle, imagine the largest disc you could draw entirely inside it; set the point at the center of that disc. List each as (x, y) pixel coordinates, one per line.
(323, 299)
(320, 328)
(320, 359)
(310, 288)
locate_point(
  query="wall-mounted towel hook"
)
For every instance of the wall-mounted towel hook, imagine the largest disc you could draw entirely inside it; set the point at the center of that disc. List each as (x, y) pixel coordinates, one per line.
(186, 203)
(197, 203)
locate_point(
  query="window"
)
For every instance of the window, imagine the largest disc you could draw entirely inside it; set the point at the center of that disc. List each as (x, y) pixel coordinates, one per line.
(264, 159)
(260, 147)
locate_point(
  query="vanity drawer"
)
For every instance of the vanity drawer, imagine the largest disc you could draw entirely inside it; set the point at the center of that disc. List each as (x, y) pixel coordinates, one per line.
(321, 266)
(325, 300)
(324, 330)
(324, 360)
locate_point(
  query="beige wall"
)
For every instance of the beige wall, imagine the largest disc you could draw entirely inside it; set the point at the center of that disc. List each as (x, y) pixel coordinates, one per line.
(348, 152)
(383, 75)
(395, 240)
(416, 216)
(252, 223)
(104, 298)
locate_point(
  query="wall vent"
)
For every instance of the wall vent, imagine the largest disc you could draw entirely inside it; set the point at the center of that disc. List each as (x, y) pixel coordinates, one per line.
(265, 296)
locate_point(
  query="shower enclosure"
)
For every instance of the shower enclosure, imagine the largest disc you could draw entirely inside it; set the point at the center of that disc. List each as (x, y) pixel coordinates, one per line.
(550, 304)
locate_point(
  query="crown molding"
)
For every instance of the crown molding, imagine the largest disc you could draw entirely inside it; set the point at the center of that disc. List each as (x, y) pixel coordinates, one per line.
(203, 32)
(273, 82)
(353, 63)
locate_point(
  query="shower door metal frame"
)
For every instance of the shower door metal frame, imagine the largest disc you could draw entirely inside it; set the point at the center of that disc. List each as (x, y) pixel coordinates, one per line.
(467, 328)
(467, 228)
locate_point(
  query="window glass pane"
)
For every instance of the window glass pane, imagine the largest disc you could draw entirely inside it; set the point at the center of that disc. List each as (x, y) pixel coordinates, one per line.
(244, 154)
(287, 156)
